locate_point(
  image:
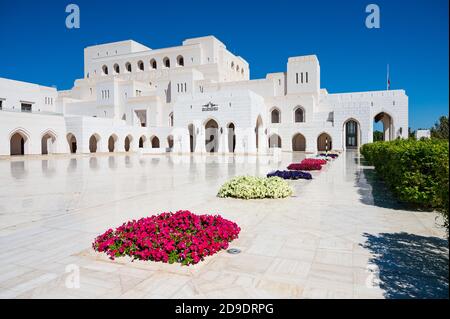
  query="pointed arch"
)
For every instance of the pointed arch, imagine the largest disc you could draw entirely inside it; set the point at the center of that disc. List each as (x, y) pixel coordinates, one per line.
(212, 135)
(48, 142)
(298, 143)
(166, 62)
(112, 143)
(72, 141)
(155, 141)
(275, 115)
(180, 60)
(324, 142)
(388, 125)
(274, 141)
(299, 114)
(94, 140)
(19, 140)
(351, 133)
(142, 141)
(153, 64)
(128, 143)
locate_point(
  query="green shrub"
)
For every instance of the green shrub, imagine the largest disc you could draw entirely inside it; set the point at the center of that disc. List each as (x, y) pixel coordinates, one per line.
(415, 171)
(249, 187)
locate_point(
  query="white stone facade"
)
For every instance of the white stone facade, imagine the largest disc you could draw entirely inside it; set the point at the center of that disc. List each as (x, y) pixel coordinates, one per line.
(197, 97)
(423, 134)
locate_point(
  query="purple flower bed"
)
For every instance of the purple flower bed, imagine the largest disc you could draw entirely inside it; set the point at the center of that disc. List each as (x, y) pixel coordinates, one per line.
(333, 156)
(290, 174)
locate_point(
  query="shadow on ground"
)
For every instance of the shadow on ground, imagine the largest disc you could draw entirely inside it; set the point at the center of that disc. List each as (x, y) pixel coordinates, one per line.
(410, 266)
(374, 191)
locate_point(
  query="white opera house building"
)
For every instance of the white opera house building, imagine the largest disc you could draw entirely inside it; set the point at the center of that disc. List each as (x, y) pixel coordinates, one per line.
(197, 97)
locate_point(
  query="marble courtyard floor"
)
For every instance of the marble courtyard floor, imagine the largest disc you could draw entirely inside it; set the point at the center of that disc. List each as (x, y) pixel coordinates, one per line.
(340, 236)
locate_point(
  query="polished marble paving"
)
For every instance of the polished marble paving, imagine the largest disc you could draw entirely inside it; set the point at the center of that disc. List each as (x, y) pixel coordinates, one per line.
(339, 236)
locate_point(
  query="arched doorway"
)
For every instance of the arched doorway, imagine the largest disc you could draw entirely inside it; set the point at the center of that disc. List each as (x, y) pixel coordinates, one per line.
(127, 143)
(212, 136)
(18, 144)
(112, 143)
(324, 142)
(191, 137)
(93, 143)
(352, 136)
(155, 142)
(48, 142)
(274, 141)
(298, 143)
(170, 141)
(231, 137)
(72, 140)
(383, 127)
(142, 140)
(258, 130)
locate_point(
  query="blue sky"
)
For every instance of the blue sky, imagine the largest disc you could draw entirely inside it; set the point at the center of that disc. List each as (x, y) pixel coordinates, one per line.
(413, 38)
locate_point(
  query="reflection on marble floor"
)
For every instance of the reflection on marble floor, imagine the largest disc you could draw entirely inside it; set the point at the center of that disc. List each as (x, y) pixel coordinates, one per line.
(312, 245)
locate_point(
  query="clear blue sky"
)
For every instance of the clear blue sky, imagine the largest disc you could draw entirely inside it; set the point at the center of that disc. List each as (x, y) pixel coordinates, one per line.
(413, 38)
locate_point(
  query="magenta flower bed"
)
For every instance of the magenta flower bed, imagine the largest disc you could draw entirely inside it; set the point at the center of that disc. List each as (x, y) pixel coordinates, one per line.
(305, 167)
(180, 237)
(314, 161)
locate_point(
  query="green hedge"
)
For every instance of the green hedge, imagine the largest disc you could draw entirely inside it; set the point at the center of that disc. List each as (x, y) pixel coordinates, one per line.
(249, 187)
(415, 171)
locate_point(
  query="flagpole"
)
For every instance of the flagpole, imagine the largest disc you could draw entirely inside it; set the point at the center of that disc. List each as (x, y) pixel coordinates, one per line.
(387, 79)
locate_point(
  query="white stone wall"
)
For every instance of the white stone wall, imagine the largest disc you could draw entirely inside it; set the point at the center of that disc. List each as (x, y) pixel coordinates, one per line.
(107, 105)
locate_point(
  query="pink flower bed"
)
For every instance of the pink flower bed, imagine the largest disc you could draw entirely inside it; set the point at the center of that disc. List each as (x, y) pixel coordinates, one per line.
(305, 167)
(308, 164)
(314, 161)
(181, 237)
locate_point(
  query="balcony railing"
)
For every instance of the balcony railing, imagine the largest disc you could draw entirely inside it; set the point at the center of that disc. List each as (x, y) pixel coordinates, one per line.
(30, 112)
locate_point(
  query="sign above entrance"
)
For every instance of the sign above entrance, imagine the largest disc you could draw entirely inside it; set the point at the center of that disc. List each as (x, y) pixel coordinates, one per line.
(210, 107)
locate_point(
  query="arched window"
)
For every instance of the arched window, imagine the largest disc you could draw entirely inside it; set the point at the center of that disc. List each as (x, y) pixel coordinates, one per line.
(171, 119)
(140, 65)
(232, 65)
(275, 116)
(166, 62)
(237, 68)
(299, 115)
(180, 60)
(116, 68)
(105, 70)
(153, 64)
(128, 67)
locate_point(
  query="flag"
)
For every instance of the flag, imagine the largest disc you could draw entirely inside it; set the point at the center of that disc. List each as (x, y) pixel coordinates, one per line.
(388, 79)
